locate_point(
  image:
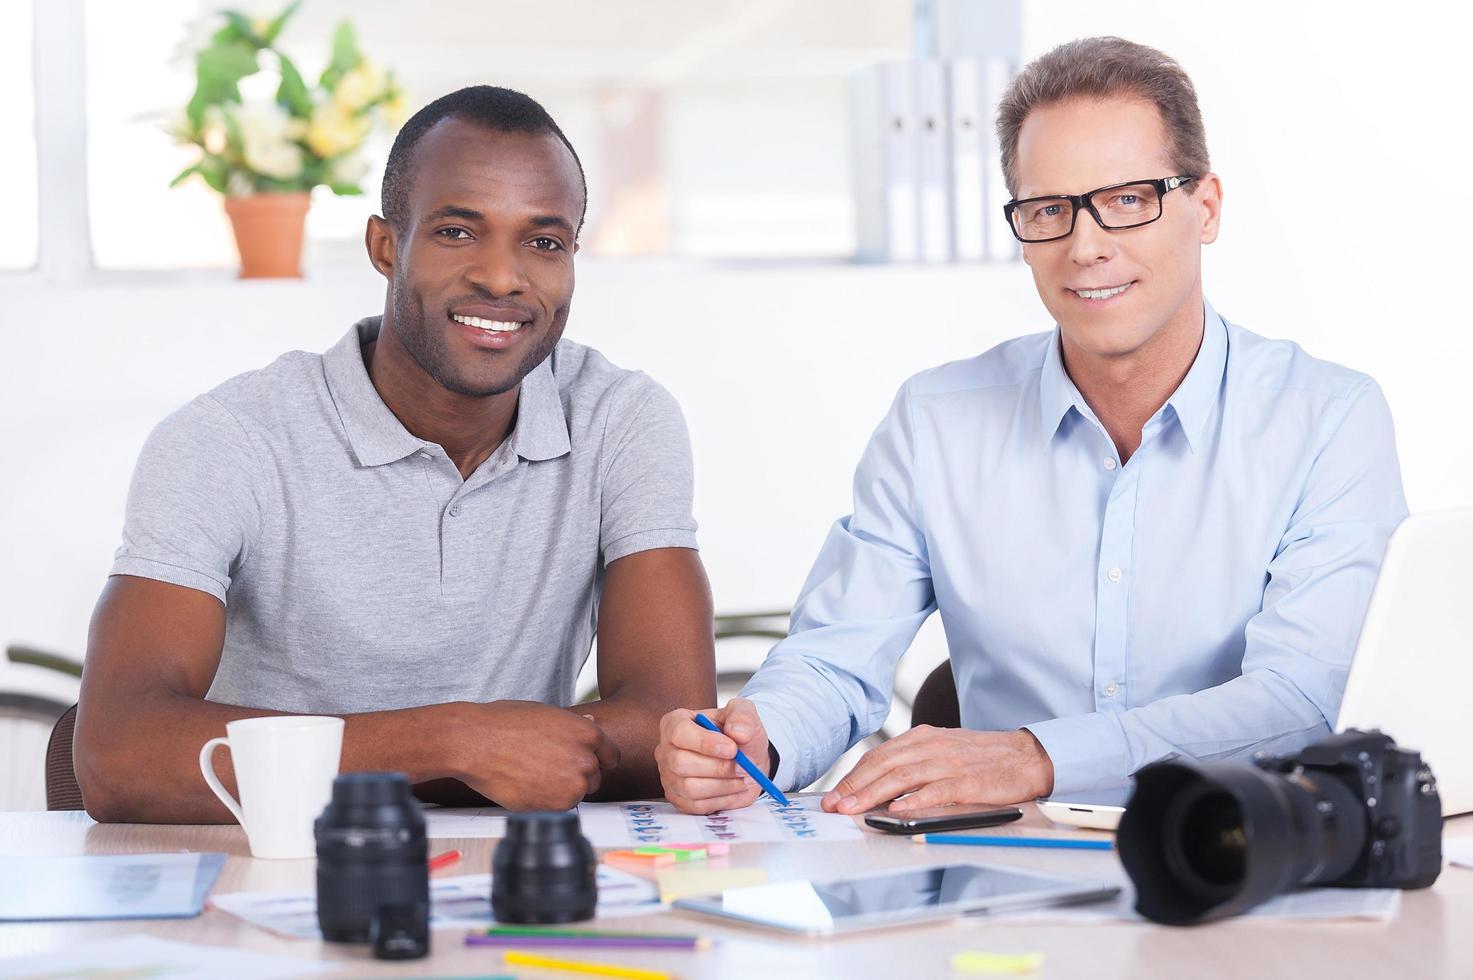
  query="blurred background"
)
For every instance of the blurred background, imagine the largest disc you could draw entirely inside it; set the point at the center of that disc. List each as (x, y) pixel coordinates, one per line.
(729, 188)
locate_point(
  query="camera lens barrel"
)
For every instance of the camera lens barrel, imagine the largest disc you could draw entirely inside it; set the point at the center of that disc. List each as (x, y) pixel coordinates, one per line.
(371, 854)
(1204, 841)
(544, 870)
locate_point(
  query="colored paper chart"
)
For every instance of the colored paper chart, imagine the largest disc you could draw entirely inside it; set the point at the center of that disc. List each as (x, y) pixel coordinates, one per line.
(766, 821)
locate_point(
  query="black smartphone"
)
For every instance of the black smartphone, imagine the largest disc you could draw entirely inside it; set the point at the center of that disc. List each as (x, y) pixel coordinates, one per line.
(939, 818)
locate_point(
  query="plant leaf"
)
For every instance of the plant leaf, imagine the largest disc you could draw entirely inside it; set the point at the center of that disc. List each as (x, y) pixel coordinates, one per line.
(345, 190)
(243, 27)
(276, 25)
(292, 94)
(345, 56)
(218, 71)
(184, 175)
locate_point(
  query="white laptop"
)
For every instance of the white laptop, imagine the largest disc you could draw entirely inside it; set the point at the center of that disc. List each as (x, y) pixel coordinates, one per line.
(1412, 676)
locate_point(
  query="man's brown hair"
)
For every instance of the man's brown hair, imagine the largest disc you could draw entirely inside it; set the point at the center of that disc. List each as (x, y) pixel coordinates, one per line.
(1104, 68)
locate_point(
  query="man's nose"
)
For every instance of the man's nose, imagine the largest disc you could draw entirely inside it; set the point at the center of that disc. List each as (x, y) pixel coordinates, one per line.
(498, 269)
(1090, 243)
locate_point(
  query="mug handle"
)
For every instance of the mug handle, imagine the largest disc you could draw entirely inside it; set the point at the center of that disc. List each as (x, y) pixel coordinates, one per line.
(207, 767)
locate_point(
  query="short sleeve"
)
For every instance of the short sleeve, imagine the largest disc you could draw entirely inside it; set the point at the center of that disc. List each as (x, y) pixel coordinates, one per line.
(647, 473)
(193, 507)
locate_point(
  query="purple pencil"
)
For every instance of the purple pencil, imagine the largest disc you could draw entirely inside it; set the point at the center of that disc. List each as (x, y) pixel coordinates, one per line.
(621, 942)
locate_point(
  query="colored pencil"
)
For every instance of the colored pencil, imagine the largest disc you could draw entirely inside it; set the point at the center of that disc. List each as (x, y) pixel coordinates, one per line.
(588, 942)
(1068, 843)
(444, 860)
(757, 775)
(515, 958)
(555, 931)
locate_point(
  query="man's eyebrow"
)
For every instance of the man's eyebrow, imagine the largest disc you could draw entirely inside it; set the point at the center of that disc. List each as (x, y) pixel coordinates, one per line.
(551, 221)
(455, 211)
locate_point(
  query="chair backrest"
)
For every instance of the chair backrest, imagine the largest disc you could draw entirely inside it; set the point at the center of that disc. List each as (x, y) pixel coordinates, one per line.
(936, 702)
(62, 791)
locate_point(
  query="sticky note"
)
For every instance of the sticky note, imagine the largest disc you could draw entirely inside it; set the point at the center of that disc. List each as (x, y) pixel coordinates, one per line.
(635, 857)
(713, 848)
(681, 854)
(974, 961)
(696, 880)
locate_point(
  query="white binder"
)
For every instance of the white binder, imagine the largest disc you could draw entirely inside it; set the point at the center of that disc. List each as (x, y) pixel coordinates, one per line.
(883, 136)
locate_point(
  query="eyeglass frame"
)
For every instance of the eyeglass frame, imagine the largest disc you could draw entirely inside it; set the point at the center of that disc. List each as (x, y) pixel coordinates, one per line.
(1083, 202)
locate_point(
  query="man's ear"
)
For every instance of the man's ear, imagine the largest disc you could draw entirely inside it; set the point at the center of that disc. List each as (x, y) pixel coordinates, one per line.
(382, 245)
(1209, 200)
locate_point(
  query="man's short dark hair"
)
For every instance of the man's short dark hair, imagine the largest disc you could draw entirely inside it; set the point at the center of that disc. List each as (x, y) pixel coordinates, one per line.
(501, 109)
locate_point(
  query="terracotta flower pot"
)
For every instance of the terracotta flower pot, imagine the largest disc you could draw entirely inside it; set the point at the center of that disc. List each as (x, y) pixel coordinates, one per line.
(268, 233)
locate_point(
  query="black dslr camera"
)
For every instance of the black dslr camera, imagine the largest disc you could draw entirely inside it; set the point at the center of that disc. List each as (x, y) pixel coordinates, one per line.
(1201, 841)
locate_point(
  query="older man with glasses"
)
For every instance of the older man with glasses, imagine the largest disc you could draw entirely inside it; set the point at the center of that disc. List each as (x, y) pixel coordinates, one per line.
(1149, 532)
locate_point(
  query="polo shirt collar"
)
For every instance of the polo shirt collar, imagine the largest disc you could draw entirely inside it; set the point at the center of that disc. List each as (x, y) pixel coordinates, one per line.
(1192, 402)
(542, 428)
(376, 435)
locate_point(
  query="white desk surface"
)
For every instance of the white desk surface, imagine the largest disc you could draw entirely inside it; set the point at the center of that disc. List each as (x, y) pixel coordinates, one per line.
(1432, 937)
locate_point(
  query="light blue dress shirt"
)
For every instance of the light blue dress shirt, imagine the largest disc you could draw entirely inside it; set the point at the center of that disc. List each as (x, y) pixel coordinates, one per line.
(1201, 600)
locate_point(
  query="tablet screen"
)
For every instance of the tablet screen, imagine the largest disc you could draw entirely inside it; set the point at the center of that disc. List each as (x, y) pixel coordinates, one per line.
(914, 893)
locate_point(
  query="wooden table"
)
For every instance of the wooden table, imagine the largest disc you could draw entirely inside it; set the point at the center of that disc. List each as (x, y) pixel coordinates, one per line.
(1432, 937)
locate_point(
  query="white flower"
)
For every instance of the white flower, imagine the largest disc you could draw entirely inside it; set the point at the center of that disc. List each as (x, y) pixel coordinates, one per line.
(335, 130)
(361, 85)
(267, 132)
(239, 185)
(212, 132)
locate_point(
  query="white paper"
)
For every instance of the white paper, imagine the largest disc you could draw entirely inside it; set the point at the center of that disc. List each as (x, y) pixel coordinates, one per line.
(486, 821)
(1310, 903)
(766, 821)
(1458, 850)
(158, 959)
(461, 902)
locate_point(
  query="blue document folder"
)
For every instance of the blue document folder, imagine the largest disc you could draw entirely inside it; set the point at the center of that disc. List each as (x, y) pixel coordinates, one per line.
(106, 886)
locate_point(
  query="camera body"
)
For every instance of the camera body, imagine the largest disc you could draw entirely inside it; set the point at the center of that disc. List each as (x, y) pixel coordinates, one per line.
(1403, 847)
(1201, 841)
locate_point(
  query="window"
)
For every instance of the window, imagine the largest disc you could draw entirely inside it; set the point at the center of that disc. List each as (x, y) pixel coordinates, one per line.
(710, 129)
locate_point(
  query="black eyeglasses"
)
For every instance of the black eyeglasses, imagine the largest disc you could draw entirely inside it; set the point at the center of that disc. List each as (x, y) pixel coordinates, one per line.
(1128, 205)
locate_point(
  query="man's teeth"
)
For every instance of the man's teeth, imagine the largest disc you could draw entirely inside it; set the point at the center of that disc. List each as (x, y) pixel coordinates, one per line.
(501, 326)
(1103, 293)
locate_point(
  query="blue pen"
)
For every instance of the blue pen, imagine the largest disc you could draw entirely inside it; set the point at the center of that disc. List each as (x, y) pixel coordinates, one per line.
(975, 841)
(747, 764)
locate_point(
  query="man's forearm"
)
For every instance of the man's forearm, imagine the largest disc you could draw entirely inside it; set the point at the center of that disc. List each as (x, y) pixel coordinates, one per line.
(634, 725)
(140, 763)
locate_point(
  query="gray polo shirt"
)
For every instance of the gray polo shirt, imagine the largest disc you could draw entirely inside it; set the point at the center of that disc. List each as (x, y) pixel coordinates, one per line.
(360, 572)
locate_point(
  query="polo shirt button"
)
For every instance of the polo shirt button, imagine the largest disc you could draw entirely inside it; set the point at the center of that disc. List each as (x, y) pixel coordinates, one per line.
(455, 511)
(1109, 462)
(1113, 575)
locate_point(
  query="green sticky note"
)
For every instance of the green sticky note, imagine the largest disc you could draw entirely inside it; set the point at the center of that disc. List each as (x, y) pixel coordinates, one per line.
(974, 961)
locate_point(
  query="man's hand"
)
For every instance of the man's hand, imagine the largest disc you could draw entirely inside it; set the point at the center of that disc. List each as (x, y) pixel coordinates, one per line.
(528, 756)
(937, 766)
(696, 765)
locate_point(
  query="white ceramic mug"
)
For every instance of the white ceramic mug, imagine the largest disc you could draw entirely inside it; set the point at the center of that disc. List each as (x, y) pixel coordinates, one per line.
(284, 768)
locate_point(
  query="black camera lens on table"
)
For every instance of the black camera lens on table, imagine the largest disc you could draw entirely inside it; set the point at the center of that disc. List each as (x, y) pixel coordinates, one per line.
(544, 870)
(373, 878)
(1201, 841)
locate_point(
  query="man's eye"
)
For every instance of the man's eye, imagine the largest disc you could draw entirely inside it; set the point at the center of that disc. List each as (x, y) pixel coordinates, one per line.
(453, 234)
(545, 244)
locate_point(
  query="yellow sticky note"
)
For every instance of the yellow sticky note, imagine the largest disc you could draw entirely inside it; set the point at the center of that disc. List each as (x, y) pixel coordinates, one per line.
(683, 881)
(973, 961)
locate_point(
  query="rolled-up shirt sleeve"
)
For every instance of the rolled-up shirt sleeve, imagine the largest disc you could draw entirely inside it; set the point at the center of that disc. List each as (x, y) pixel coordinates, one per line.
(1297, 649)
(829, 683)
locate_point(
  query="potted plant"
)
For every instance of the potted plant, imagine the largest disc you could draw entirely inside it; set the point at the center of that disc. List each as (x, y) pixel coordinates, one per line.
(265, 155)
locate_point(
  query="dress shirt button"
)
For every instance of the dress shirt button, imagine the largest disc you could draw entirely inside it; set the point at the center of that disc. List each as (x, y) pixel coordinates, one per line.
(455, 510)
(1111, 689)
(1113, 575)
(1109, 462)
